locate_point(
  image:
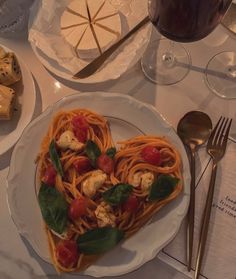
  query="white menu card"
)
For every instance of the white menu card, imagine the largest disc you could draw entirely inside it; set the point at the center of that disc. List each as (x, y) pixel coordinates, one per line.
(220, 253)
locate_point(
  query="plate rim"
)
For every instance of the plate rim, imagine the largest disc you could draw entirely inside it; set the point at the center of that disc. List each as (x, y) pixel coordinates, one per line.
(17, 132)
(52, 109)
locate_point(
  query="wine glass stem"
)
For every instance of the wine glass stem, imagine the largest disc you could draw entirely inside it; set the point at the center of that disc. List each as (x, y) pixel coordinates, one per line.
(231, 71)
(168, 57)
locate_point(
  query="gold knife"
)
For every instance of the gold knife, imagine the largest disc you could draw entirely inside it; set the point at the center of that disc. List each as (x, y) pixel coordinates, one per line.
(92, 67)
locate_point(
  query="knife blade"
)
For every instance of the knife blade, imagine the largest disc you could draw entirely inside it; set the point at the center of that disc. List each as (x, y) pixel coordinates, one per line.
(93, 66)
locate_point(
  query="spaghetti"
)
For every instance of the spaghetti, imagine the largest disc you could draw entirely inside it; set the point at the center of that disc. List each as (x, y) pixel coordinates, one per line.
(131, 166)
(92, 196)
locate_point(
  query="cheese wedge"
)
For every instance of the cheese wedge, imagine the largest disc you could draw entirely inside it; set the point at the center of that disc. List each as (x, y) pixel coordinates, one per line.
(90, 27)
(7, 96)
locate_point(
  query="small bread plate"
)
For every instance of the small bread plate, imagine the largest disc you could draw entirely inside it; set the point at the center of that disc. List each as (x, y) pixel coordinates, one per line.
(11, 130)
(127, 118)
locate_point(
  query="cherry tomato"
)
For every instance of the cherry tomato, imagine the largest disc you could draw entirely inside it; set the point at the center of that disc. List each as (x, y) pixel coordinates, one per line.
(80, 122)
(50, 175)
(83, 165)
(81, 135)
(67, 253)
(131, 204)
(151, 155)
(78, 208)
(105, 163)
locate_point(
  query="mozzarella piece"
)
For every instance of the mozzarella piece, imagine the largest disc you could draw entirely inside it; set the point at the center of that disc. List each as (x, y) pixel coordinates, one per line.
(136, 179)
(93, 183)
(143, 179)
(90, 37)
(64, 235)
(146, 181)
(68, 140)
(105, 216)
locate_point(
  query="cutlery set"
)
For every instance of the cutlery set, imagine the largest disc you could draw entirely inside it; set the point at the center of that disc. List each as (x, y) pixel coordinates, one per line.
(194, 129)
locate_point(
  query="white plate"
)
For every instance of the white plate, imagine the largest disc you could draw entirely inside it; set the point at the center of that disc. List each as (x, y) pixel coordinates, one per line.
(11, 129)
(44, 44)
(128, 117)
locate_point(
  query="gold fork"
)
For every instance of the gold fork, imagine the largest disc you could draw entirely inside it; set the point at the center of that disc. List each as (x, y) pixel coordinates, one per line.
(216, 147)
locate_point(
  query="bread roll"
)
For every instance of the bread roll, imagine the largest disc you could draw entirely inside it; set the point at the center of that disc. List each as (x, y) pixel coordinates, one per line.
(7, 96)
(9, 69)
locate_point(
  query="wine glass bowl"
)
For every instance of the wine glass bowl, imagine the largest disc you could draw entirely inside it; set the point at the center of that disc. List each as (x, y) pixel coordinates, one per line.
(180, 21)
(187, 20)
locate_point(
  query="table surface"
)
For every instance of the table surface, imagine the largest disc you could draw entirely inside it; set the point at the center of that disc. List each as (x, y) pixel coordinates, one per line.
(17, 259)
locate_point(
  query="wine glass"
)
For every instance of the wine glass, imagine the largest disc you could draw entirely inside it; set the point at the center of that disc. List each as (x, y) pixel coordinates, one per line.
(223, 81)
(166, 62)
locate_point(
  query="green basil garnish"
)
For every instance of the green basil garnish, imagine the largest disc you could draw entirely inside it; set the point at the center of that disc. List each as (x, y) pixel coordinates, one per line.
(117, 194)
(111, 152)
(162, 187)
(55, 158)
(98, 241)
(53, 208)
(93, 152)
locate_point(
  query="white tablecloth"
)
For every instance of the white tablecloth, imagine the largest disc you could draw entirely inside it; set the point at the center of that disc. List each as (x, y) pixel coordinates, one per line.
(17, 259)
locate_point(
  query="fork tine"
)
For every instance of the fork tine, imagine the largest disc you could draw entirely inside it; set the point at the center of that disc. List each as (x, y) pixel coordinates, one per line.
(219, 132)
(226, 134)
(222, 133)
(213, 133)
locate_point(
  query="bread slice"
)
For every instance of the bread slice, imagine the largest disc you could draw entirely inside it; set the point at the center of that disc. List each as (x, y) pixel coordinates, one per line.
(7, 97)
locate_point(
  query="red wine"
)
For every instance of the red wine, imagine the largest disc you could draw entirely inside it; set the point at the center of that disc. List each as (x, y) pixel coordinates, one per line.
(187, 20)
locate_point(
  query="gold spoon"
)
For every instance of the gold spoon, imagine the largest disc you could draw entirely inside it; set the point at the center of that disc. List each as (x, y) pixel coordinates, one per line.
(194, 129)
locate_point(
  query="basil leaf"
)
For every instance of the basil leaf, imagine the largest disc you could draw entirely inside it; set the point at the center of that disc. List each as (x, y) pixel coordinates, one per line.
(162, 187)
(98, 241)
(111, 152)
(117, 194)
(55, 158)
(92, 151)
(53, 208)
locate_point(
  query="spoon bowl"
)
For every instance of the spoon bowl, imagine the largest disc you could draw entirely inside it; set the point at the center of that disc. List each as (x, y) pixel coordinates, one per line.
(194, 128)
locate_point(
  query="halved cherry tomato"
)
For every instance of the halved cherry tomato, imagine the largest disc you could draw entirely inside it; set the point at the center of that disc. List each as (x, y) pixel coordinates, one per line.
(67, 253)
(80, 122)
(82, 165)
(151, 155)
(50, 175)
(81, 135)
(131, 204)
(105, 163)
(80, 127)
(78, 208)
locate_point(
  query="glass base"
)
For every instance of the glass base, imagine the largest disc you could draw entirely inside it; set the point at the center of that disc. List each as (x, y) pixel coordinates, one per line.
(165, 62)
(220, 74)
